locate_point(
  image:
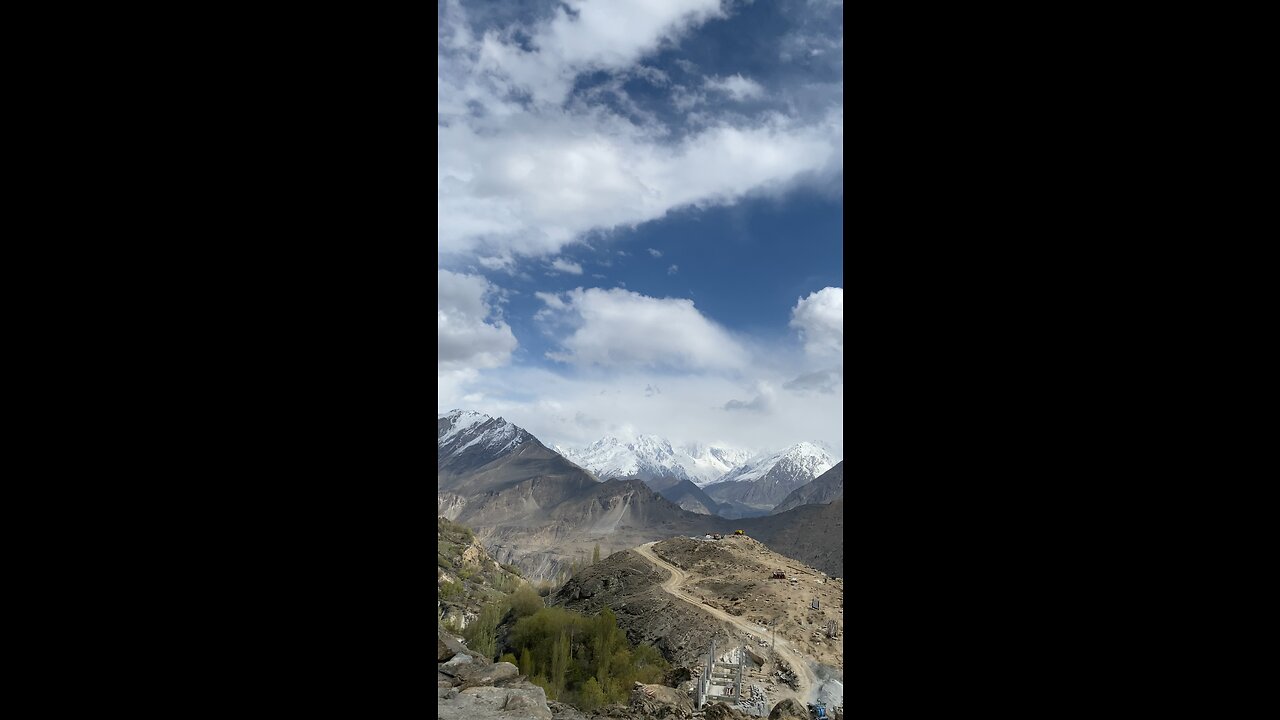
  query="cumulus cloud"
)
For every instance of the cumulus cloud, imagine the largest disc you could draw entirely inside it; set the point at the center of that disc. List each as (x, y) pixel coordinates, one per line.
(655, 253)
(820, 320)
(620, 328)
(522, 171)
(552, 300)
(468, 334)
(540, 147)
(504, 262)
(673, 269)
(566, 267)
(585, 36)
(736, 87)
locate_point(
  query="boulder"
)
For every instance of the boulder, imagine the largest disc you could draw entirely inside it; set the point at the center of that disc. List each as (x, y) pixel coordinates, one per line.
(526, 702)
(475, 674)
(677, 675)
(459, 659)
(447, 646)
(789, 710)
(660, 701)
(720, 711)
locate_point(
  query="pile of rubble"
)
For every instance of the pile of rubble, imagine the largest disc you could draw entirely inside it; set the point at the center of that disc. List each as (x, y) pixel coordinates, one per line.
(786, 675)
(754, 702)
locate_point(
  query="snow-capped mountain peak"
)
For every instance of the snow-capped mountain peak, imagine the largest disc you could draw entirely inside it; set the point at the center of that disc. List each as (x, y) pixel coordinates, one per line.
(651, 456)
(802, 459)
(460, 421)
(459, 430)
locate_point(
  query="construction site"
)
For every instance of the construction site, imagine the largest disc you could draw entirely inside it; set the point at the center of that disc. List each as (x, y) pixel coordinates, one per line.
(738, 678)
(752, 628)
(787, 618)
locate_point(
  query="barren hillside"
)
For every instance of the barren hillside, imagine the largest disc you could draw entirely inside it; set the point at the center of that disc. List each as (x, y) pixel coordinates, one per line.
(682, 593)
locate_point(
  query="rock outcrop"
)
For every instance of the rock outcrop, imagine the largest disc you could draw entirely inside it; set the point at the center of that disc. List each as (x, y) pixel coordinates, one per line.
(789, 710)
(720, 711)
(470, 686)
(660, 701)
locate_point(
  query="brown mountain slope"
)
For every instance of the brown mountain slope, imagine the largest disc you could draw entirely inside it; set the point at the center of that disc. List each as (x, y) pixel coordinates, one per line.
(825, 488)
(680, 594)
(813, 534)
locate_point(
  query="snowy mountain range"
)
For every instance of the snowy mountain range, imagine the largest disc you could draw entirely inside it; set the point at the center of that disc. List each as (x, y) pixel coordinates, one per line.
(758, 485)
(531, 506)
(804, 458)
(653, 458)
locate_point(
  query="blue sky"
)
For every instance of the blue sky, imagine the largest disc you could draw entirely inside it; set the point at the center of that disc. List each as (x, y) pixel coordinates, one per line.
(640, 218)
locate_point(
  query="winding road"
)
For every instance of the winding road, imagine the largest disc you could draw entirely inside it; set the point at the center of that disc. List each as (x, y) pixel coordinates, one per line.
(799, 663)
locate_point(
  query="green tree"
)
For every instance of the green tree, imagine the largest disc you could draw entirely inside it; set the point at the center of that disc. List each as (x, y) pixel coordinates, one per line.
(526, 663)
(481, 635)
(525, 601)
(541, 681)
(649, 664)
(591, 697)
(605, 639)
(595, 556)
(559, 664)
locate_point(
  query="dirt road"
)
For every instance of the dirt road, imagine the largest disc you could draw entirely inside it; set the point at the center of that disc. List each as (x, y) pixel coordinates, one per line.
(799, 662)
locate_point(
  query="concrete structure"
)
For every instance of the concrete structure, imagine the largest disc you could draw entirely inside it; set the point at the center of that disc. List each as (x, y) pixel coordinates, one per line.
(721, 680)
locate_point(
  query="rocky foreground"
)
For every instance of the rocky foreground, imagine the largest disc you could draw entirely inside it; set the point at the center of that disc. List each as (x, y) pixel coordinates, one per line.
(470, 686)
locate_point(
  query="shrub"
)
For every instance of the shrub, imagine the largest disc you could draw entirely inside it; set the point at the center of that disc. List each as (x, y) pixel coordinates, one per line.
(591, 696)
(525, 601)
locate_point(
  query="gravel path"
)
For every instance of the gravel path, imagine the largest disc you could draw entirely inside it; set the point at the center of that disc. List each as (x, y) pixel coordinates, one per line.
(799, 662)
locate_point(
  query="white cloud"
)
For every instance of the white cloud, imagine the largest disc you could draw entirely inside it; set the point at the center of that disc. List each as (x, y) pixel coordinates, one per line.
(736, 87)
(673, 269)
(761, 403)
(655, 253)
(594, 36)
(566, 267)
(504, 262)
(552, 300)
(821, 381)
(537, 187)
(526, 168)
(820, 320)
(619, 328)
(690, 408)
(467, 336)
(521, 171)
